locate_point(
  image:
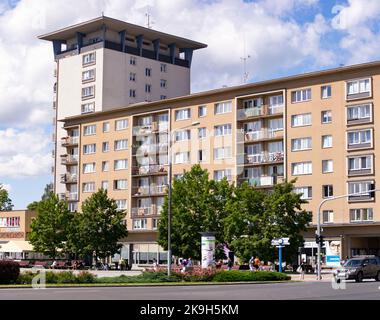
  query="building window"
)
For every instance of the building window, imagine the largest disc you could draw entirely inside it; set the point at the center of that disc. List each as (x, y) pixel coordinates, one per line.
(132, 77)
(132, 93)
(223, 130)
(132, 61)
(360, 165)
(121, 164)
(325, 92)
(89, 130)
(163, 83)
(276, 124)
(121, 145)
(223, 107)
(88, 92)
(140, 224)
(359, 139)
(163, 67)
(301, 95)
(301, 144)
(121, 204)
(106, 147)
(327, 166)
(361, 215)
(202, 133)
(302, 168)
(201, 155)
(306, 192)
(89, 58)
(106, 127)
(222, 153)
(88, 75)
(148, 88)
(162, 97)
(202, 111)
(300, 120)
(327, 191)
(183, 135)
(89, 168)
(253, 103)
(105, 185)
(120, 185)
(358, 87)
(148, 72)
(182, 157)
(221, 174)
(327, 142)
(360, 188)
(183, 114)
(105, 166)
(121, 124)
(88, 107)
(89, 148)
(328, 216)
(359, 113)
(88, 187)
(326, 117)
(155, 223)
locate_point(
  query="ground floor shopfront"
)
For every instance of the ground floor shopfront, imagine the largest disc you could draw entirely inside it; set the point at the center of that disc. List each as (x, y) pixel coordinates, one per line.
(342, 241)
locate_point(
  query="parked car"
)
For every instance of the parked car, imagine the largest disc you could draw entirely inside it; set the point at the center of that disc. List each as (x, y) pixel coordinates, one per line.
(358, 269)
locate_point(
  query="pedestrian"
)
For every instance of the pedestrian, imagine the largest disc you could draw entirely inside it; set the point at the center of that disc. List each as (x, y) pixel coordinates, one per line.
(256, 263)
(229, 264)
(302, 269)
(251, 263)
(155, 265)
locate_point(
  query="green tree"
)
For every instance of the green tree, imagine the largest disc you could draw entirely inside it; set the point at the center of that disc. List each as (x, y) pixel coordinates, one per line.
(99, 228)
(198, 205)
(49, 230)
(5, 201)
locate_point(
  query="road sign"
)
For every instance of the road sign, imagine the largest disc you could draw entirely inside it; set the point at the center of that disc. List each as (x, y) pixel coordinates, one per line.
(280, 242)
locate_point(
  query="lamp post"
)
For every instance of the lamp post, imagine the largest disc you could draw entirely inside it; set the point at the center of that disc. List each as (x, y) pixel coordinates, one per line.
(319, 276)
(170, 160)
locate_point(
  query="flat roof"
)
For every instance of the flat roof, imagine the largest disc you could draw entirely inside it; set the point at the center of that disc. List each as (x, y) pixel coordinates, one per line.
(118, 25)
(235, 88)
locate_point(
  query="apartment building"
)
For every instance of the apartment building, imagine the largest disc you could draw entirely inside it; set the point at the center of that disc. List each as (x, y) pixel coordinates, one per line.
(318, 128)
(103, 64)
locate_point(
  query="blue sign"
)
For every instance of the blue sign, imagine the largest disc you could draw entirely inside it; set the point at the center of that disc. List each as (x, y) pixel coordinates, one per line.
(332, 259)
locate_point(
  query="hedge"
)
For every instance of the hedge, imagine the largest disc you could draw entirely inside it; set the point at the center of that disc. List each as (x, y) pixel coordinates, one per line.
(66, 277)
(9, 272)
(238, 276)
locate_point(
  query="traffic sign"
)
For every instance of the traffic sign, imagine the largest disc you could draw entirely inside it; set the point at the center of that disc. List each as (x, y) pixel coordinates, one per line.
(280, 242)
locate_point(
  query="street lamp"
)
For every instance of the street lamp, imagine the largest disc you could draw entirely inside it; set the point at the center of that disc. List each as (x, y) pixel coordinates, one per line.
(194, 124)
(319, 276)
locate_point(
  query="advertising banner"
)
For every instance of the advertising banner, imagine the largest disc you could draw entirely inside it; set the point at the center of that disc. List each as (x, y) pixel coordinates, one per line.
(208, 251)
(333, 253)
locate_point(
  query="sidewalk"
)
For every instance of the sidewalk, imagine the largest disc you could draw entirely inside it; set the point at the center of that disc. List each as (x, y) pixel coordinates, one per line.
(326, 277)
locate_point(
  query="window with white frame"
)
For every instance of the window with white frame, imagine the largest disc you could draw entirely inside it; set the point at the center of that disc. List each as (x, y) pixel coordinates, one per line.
(105, 185)
(327, 191)
(163, 67)
(182, 157)
(276, 104)
(253, 103)
(88, 187)
(163, 97)
(325, 92)
(121, 164)
(359, 163)
(202, 155)
(359, 112)
(88, 92)
(182, 135)
(361, 215)
(326, 116)
(132, 61)
(222, 153)
(301, 95)
(223, 107)
(148, 72)
(89, 130)
(358, 86)
(302, 168)
(132, 77)
(88, 75)
(89, 167)
(327, 166)
(300, 144)
(327, 141)
(221, 174)
(121, 145)
(360, 188)
(253, 149)
(155, 223)
(106, 127)
(140, 224)
(105, 166)
(202, 111)
(276, 147)
(328, 216)
(132, 93)
(359, 137)
(88, 107)
(276, 124)
(148, 88)
(163, 83)
(202, 133)
(89, 58)
(89, 148)
(106, 147)
(121, 184)
(183, 114)
(252, 126)
(223, 130)
(306, 192)
(121, 204)
(300, 120)
(121, 124)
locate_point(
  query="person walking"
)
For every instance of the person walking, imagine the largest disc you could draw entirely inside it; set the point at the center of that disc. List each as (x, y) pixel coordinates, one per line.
(251, 263)
(229, 264)
(302, 269)
(256, 263)
(155, 265)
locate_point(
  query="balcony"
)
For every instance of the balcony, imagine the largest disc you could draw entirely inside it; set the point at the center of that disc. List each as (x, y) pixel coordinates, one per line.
(150, 191)
(69, 141)
(263, 181)
(68, 196)
(244, 114)
(69, 178)
(152, 210)
(150, 128)
(149, 170)
(69, 159)
(254, 136)
(265, 157)
(145, 150)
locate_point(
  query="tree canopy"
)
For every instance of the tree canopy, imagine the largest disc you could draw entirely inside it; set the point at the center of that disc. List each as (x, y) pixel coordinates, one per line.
(5, 201)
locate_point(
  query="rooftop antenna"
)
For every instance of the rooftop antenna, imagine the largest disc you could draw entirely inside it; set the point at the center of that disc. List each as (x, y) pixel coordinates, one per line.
(244, 61)
(149, 22)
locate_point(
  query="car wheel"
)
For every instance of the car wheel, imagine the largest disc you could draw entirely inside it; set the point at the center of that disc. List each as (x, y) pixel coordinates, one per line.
(377, 278)
(359, 277)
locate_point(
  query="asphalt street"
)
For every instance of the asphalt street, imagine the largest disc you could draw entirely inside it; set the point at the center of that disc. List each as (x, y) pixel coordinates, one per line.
(368, 290)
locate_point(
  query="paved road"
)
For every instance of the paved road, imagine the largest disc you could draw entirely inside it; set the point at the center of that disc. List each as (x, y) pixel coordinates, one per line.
(368, 290)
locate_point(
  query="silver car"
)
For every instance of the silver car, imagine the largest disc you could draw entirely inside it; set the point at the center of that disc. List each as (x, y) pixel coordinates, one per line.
(358, 269)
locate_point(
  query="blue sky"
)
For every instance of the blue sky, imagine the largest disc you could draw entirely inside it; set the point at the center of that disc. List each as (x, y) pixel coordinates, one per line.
(283, 37)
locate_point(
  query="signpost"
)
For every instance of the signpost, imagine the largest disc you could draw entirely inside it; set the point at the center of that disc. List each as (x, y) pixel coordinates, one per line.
(280, 243)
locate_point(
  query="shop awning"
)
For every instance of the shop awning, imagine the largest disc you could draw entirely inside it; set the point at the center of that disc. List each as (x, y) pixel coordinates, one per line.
(16, 247)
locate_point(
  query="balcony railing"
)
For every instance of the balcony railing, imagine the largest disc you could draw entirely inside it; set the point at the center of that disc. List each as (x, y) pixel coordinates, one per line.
(68, 196)
(69, 159)
(263, 181)
(265, 157)
(69, 178)
(150, 169)
(263, 135)
(69, 141)
(150, 149)
(152, 210)
(244, 114)
(151, 190)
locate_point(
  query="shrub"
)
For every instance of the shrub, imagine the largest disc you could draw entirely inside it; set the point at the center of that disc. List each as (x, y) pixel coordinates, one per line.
(85, 277)
(237, 276)
(9, 272)
(66, 277)
(197, 275)
(26, 278)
